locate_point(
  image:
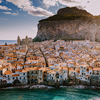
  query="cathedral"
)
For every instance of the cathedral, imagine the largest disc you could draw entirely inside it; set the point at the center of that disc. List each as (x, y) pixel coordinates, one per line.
(24, 41)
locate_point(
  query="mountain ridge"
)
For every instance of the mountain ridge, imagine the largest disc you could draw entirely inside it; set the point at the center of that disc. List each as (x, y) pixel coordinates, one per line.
(70, 24)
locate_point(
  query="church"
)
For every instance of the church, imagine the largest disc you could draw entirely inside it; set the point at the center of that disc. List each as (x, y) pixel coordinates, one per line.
(24, 41)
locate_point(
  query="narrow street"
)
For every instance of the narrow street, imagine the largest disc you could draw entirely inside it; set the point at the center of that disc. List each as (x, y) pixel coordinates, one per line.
(44, 58)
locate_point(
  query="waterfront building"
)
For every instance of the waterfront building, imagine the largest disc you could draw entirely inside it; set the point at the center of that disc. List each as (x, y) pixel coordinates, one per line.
(7, 76)
(19, 77)
(50, 63)
(32, 74)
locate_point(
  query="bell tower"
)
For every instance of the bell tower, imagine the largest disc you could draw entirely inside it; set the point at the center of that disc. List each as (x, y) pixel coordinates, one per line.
(26, 40)
(18, 40)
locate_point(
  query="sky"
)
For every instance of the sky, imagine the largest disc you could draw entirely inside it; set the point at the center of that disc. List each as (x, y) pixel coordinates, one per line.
(20, 17)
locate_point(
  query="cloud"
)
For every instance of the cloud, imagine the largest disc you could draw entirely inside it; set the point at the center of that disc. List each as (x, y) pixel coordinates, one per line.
(4, 8)
(26, 5)
(0, 1)
(92, 6)
(39, 12)
(14, 14)
(49, 3)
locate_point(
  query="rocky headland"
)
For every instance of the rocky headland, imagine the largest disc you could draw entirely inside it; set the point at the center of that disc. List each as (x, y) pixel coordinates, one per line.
(70, 24)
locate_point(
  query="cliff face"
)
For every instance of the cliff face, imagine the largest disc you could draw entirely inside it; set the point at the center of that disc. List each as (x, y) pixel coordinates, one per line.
(70, 24)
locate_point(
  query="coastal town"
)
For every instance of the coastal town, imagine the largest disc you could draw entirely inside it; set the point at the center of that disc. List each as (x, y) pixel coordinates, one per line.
(51, 63)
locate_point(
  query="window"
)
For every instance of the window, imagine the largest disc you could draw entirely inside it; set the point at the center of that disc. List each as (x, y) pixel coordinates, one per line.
(98, 72)
(81, 66)
(13, 78)
(36, 72)
(24, 78)
(87, 69)
(20, 78)
(23, 73)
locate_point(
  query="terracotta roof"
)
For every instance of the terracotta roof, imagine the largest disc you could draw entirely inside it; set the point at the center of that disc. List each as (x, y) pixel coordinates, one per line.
(24, 71)
(15, 75)
(31, 68)
(90, 68)
(8, 72)
(18, 70)
(96, 69)
(5, 45)
(1, 68)
(65, 68)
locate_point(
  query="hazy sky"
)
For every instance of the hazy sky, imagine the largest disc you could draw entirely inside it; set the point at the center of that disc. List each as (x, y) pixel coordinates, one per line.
(20, 17)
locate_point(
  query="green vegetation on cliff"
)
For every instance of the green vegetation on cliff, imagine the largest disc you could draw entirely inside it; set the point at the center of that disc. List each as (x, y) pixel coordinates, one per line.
(64, 17)
(68, 14)
(36, 39)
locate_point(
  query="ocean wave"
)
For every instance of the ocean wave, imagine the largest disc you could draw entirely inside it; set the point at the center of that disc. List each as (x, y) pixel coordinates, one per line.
(95, 98)
(74, 86)
(14, 87)
(41, 87)
(50, 87)
(30, 87)
(80, 87)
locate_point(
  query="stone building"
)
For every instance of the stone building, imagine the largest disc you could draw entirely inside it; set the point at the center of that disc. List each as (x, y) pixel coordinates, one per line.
(24, 41)
(18, 40)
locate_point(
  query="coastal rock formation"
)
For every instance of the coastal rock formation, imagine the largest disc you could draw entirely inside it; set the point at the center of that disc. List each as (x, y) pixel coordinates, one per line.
(70, 24)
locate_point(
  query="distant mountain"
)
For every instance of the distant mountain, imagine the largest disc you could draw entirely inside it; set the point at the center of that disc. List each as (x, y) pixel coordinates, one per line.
(70, 24)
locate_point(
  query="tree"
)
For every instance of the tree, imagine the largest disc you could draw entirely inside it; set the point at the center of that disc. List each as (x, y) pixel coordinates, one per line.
(37, 39)
(5, 43)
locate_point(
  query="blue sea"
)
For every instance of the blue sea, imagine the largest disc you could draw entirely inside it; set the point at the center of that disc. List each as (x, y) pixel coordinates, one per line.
(50, 94)
(2, 42)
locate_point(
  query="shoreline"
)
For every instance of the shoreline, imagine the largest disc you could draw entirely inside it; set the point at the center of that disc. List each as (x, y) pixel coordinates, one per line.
(51, 87)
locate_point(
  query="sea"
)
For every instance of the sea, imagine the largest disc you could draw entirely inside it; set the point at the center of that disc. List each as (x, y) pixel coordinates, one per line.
(2, 42)
(50, 94)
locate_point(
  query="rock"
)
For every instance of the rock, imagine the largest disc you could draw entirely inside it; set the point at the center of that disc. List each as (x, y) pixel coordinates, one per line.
(40, 87)
(70, 24)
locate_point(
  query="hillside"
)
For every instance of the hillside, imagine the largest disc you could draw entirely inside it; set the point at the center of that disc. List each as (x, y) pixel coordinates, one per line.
(70, 24)
(68, 14)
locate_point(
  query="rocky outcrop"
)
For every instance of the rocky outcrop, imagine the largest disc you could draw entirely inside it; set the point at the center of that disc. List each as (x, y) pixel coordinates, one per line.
(70, 24)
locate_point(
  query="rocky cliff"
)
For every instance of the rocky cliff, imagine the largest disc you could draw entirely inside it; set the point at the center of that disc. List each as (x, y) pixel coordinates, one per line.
(70, 24)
